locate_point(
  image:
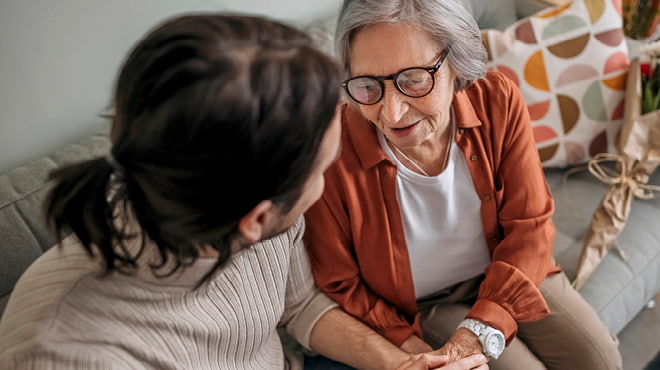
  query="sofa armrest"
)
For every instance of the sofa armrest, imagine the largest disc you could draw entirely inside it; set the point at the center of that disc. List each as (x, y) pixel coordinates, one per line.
(23, 235)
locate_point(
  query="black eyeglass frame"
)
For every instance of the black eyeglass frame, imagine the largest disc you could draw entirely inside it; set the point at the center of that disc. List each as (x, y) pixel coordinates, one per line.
(431, 70)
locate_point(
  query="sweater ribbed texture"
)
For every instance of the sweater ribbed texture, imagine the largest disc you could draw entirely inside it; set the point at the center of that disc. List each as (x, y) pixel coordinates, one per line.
(64, 314)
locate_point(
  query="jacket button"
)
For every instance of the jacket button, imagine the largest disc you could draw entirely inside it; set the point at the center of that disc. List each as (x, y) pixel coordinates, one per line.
(461, 131)
(473, 157)
(487, 197)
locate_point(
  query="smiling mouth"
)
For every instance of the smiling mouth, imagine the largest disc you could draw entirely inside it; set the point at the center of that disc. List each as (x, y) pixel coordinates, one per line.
(403, 131)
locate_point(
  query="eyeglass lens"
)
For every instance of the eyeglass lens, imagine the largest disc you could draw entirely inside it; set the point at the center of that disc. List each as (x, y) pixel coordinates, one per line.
(414, 82)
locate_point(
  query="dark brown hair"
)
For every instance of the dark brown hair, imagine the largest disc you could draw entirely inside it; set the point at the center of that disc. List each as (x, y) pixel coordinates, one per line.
(213, 114)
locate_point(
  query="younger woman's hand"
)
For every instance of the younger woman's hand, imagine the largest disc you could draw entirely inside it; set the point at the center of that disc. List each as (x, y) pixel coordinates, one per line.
(415, 344)
(426, 361)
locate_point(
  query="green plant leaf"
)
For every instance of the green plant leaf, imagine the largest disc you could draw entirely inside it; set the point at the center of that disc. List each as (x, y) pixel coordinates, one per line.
(648, 100)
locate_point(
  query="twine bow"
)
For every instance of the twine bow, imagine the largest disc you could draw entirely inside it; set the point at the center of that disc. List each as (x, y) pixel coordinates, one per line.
(625, 175)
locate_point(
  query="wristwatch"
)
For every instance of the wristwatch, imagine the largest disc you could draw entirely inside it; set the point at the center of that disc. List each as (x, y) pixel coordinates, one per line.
(492, 340)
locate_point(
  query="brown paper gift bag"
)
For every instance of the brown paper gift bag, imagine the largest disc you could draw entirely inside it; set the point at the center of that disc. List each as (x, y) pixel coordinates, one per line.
(639, 156)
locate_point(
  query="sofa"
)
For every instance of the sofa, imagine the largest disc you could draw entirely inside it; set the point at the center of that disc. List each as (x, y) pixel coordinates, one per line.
(618, 289)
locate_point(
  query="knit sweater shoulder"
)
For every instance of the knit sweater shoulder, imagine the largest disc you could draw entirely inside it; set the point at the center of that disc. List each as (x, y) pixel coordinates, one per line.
(64, 313)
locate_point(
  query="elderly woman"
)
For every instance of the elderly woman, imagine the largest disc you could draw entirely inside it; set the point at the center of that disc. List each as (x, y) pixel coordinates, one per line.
(435, 225)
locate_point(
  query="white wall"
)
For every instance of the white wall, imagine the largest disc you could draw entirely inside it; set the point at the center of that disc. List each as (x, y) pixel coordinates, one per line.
(59, 59)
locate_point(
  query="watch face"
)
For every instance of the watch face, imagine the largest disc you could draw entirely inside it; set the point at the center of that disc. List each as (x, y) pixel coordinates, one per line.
(494, 343)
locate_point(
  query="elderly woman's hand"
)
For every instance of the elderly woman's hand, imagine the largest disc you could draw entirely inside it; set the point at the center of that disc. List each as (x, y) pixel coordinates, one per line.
(461, 345)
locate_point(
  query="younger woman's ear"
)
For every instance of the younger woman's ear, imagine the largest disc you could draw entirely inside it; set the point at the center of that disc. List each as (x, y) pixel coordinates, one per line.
(254, 225)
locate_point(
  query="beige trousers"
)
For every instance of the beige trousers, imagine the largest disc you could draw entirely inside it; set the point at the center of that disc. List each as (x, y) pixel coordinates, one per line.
(571, 337)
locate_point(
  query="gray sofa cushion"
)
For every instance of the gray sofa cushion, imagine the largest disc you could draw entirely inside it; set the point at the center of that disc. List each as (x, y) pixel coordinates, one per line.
(491, 14)
(23, 236)
(618, 289)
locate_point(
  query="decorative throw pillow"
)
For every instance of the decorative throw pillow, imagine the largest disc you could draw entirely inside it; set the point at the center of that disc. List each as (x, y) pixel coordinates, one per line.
(570, 63)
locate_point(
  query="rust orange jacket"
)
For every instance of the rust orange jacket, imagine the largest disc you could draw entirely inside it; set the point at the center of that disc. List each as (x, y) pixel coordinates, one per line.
(355, 234)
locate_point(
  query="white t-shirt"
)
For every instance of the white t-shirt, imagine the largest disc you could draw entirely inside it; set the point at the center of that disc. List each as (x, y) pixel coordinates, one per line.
(442, 223)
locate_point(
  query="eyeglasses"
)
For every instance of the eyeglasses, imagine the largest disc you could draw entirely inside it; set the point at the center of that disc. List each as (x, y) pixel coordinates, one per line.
(415, 82)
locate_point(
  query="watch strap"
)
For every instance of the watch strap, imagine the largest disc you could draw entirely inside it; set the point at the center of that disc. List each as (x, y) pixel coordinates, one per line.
(482, 331)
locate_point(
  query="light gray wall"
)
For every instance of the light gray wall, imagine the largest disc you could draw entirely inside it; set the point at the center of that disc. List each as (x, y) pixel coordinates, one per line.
(59, 59)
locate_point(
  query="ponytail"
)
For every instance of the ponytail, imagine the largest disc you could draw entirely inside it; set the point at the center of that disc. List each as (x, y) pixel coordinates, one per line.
(78, 202)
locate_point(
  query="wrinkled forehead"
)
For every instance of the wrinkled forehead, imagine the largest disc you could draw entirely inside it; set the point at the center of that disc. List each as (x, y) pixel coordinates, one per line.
(386, 48)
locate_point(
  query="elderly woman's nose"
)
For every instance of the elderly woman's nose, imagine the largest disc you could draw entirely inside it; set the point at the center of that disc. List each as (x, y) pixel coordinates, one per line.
(393, 105)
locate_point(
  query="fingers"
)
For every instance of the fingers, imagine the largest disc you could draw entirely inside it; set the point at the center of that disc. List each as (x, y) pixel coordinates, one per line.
(436, 361)
(431, 361)
(479, 362)
(424, 361)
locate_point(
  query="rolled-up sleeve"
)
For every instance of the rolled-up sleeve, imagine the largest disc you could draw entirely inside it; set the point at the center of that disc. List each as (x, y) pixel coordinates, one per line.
(305, 304)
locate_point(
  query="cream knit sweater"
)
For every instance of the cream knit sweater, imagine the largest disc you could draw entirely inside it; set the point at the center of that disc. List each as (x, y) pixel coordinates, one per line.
(64, 314)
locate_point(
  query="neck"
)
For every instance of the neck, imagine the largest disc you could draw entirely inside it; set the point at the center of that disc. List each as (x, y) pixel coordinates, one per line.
(410, 161)
(429, 165)
(208, 252)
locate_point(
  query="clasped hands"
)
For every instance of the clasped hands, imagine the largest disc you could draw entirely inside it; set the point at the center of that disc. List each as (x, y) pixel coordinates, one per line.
(462, 352)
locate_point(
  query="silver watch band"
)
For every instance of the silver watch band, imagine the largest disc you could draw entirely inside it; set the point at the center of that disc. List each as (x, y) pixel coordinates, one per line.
(491, 339)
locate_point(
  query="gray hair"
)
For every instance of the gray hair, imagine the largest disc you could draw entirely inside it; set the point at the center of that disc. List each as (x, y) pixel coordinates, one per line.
(449, 22)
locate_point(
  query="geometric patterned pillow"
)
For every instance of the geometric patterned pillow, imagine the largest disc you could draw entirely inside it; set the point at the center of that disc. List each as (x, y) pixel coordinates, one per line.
(570, 63)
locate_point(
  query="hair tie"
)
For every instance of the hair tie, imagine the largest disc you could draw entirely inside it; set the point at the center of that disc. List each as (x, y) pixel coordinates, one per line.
(117, 169)
(116, 187)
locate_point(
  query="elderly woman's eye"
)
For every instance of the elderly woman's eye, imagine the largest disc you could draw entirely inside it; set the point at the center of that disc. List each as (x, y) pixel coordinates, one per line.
(414, 77)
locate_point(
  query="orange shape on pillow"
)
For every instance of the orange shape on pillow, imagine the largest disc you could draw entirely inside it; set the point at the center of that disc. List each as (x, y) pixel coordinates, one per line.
(552, 12)
(543, 133)
(596, 8)
(538, 110)
(618, 61)
(616, 83)
(610, 38)
(525, 32)
(570, 48)
(576, 73)
(535, 73)
(570, 112)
